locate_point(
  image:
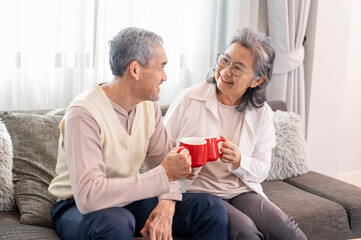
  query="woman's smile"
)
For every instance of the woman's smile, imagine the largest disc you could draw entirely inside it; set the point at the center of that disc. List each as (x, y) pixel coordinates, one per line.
(223, 79)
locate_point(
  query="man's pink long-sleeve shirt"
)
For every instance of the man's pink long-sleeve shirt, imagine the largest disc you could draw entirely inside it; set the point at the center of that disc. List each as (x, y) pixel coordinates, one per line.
(83, 148)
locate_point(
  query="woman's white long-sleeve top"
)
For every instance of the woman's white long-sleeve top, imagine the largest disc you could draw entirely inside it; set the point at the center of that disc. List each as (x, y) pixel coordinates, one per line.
(194, 113)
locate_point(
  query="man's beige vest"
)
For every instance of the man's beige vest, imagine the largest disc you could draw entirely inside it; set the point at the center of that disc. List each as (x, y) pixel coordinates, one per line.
(123, 154)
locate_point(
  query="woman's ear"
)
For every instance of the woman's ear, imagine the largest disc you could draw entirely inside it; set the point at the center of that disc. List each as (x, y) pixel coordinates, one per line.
(134, 68)
(257, 82)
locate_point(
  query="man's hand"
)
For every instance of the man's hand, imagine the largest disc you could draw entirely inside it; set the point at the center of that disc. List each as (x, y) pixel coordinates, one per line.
(231, 153)
(159, 224)
(177, 165)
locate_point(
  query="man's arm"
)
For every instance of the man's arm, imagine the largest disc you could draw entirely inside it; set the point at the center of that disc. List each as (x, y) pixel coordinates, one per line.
(159, 223)
(91, 189)
(159, 146)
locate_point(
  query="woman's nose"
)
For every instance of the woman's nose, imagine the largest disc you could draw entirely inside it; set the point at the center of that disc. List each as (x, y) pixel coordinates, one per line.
(228, 70)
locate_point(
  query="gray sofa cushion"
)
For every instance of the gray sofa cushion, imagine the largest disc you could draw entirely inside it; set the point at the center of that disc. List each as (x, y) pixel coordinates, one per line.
(289, 157)
(10, 228)
(7, 199)
(316, 216)
(35, 143)
(346, 195)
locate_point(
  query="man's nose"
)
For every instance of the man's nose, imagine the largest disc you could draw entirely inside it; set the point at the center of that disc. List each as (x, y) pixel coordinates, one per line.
(164, 77)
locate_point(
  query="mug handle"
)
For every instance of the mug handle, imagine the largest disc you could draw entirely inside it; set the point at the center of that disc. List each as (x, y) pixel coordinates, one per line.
(221, 139)
(181, 149)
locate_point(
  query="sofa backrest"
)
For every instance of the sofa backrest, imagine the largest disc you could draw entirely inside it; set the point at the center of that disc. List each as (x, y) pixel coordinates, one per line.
(275, 105)
(59, 111)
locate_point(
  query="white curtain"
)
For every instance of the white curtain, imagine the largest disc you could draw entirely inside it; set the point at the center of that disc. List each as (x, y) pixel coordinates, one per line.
(287, 21)
(51, 50)
(45, 52)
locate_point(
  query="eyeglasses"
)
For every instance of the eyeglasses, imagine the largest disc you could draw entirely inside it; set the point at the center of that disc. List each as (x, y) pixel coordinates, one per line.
(237, 69)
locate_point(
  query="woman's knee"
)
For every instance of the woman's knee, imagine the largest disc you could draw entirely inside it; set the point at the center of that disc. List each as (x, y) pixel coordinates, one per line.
(244, 230)
(240, 225)
(283, 227)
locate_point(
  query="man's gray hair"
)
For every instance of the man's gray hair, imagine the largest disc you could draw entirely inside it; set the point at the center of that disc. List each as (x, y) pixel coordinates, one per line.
(132, 44)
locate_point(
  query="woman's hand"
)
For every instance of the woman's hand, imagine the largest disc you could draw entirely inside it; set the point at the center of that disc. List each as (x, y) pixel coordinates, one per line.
(231, 153)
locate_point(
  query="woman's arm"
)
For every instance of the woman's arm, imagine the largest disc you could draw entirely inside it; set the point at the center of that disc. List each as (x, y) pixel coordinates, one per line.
(255, 167)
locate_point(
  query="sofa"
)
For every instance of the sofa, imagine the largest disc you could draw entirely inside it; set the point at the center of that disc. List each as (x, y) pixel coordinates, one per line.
(324, 207)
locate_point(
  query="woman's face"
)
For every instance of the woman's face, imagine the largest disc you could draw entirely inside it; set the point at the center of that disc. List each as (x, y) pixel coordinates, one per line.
(232, 87)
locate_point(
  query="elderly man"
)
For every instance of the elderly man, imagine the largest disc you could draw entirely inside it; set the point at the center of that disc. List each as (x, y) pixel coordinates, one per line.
(107, 133)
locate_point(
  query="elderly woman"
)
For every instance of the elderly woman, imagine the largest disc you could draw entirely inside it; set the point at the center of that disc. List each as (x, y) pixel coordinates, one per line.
(231, 104)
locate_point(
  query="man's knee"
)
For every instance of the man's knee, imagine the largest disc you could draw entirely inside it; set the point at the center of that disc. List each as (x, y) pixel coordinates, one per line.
(215, 207)
(212, 208)
(204, 215)
(112, 223)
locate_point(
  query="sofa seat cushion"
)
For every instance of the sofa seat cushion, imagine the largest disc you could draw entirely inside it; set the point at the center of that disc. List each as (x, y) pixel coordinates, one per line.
(316, 216)
(336, 191)
(11, 228)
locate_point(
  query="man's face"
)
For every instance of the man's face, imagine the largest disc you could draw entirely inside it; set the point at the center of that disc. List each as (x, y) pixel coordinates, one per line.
(153, 75)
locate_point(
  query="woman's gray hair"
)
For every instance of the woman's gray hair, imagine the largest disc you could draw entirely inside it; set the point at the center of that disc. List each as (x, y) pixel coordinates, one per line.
(261, 49)
(132, 44)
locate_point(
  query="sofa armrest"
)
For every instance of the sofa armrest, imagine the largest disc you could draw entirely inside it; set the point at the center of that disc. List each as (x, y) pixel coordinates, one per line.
(345, 194)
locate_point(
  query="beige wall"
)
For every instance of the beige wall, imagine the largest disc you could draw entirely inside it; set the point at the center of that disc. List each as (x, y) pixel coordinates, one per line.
(333, 87)
(349, 165)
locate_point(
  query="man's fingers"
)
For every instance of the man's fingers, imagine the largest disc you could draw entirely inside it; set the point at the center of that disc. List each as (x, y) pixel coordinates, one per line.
(144, 233)
(177, 166)
(156, 230)
(151, 232)
(184, 152)
(179, 150)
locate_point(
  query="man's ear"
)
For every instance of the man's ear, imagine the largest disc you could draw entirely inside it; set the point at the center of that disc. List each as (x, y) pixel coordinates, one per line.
(134, 69)
(257, 82)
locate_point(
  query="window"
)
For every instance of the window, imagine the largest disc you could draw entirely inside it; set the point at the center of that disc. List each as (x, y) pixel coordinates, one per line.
(52, 50)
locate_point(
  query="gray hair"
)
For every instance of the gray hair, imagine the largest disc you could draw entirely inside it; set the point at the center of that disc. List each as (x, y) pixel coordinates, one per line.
(132, 44)
(263, 53)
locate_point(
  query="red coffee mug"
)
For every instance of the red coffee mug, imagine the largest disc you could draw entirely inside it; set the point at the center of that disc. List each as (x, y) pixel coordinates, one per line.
(212, 148)
(197, 148)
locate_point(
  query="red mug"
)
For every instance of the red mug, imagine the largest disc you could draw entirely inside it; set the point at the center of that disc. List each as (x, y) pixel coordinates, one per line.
(201, 150)
(212, 148)
(197, 148)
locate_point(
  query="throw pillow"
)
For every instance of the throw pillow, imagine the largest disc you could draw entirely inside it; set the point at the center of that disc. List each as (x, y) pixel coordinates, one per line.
(289, 156)
(7, 198)
(35, 143)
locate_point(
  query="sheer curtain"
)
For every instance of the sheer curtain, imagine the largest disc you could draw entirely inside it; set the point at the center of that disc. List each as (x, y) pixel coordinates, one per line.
(45, 52)
(52, 50)
(287, 21)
